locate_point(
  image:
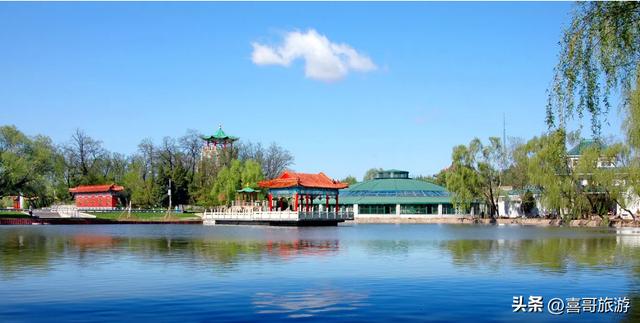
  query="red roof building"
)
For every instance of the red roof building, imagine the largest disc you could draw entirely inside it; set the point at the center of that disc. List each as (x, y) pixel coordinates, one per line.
(96, 196)
(304, 188)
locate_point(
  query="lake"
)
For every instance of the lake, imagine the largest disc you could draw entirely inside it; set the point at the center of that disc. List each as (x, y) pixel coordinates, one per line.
(350, 273)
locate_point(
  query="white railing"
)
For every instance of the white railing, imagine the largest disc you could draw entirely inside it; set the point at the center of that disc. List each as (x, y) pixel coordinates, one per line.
(66, 211)
(259, 215)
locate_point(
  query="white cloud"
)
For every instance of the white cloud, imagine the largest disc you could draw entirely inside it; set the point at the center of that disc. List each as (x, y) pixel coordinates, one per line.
(323, 60)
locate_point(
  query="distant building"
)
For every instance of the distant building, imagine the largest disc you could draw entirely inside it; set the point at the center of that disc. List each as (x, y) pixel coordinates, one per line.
(96, 196)
(393, 193)
(18, 202)
(632, 200)
(510, 202)
(215, 144)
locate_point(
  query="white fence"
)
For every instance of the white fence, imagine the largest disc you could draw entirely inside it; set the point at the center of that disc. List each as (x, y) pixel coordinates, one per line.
(69, 211)
(210, 217)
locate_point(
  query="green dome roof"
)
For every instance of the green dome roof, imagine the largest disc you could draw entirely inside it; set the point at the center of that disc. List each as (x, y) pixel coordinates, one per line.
(395, 191)
(394, 184)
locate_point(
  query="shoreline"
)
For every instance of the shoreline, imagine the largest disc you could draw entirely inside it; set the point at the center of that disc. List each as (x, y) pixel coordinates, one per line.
(499, 221)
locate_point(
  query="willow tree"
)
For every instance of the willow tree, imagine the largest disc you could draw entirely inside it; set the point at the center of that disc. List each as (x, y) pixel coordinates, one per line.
(600, 55)
(475, 174)
(547, 168)
(604, 180)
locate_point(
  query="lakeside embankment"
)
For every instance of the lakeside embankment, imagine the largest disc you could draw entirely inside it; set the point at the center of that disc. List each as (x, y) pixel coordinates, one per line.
(511, 221)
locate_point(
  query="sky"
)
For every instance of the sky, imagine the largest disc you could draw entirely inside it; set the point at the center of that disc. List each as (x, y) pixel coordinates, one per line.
(343, 86)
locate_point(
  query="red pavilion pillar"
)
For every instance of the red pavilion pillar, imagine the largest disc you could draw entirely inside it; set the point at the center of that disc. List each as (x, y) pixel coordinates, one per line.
(307, 204)
(295, 203)
(337, 204)
(327, 201)
(270, 198)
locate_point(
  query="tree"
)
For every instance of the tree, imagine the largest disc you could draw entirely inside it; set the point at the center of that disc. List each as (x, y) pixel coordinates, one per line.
(27, 165)
(547, 169)
(232, 178)
(349, 180)
(600, 53)
(191, 146)
(474, 174)
(528, 202)
(84, 160)
(439, 179)
(604, 178)
(371, 174)
(274, 160)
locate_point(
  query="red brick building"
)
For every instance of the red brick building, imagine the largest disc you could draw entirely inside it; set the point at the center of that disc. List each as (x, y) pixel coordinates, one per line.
(96, 196)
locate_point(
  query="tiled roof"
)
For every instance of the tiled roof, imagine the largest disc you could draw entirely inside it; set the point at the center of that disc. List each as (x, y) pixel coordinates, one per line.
(220, 135)
(247, 190)
(395, 191)
(584, 144)
(291, 179)
(96, 188)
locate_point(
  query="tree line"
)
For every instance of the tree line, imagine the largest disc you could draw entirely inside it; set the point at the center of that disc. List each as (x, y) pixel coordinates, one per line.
(599, 57)
(37, 168)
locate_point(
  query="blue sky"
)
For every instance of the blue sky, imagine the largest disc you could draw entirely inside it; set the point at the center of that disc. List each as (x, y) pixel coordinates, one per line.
(444, 73)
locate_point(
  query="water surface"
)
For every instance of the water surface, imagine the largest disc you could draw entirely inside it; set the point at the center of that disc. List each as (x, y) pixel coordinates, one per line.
(362, 273)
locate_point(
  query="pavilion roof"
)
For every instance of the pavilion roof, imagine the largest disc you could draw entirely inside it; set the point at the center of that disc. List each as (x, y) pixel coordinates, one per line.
(292, 179)
(96, 188)
(220, 135)
(248, 190)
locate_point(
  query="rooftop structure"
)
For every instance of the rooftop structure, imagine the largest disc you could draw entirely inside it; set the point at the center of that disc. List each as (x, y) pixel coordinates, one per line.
(303, 189)
(216, 143)
(96, 196)
(393, 192)
(293, 199)
(578, 149)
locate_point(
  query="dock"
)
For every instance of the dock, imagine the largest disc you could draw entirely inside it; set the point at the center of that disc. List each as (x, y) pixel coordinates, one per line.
(276, 218)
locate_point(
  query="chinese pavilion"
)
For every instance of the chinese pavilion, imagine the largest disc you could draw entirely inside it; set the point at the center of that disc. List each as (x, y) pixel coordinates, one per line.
(96, 196)
(217, 142)
(297, 191)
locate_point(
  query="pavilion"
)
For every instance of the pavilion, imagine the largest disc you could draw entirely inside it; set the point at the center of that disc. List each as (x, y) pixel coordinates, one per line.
(216, 143)
(298, 191)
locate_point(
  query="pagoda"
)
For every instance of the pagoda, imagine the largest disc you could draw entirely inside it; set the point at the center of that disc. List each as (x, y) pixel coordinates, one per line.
(304, 188)
(217, 143)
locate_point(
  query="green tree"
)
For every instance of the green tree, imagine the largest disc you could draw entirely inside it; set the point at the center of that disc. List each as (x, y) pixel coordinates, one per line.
(251, 174)
(547, 168)
(528, 202)
(233, 177)
(349, 180)
(475, 174)
(27, 165)
(600, 53)
(604, 186)
(371, 174)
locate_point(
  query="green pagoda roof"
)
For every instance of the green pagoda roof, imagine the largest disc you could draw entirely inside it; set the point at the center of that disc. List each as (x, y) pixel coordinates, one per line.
(220, 135)
(584, 144)
(247, 190)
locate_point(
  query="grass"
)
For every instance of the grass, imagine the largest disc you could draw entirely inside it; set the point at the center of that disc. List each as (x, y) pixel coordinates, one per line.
(144, 216)
(13, 215)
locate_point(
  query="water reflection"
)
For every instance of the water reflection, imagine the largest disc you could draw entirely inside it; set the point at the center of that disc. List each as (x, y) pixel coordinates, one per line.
(555, 255)
(248, 274)
(20, 252)
(307, 303)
